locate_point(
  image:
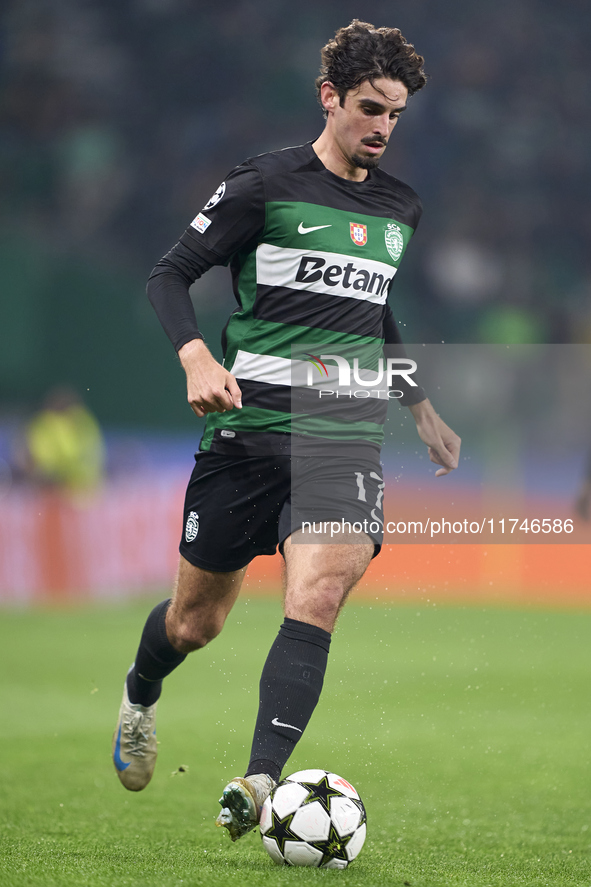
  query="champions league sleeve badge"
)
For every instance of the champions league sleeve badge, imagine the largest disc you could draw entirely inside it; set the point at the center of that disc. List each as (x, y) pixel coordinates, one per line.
(216, 197)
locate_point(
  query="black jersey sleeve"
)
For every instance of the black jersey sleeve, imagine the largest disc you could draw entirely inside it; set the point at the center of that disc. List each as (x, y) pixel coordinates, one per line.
(395, 347)
(168, 291)
(232, 217)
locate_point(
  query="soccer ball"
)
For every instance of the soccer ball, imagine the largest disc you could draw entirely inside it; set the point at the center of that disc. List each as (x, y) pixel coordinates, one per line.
(313, 817)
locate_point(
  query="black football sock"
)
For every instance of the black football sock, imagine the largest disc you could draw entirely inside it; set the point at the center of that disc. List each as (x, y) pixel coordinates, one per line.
(290, 687)
(155, 659)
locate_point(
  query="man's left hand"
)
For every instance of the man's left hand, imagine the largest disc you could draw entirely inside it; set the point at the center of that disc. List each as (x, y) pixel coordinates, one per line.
(443, 443)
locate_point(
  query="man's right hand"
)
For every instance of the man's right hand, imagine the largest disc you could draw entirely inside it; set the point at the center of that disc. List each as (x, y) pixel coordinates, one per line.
(210, 388)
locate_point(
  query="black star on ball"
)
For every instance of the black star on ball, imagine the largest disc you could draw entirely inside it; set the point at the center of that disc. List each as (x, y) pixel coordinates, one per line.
(280, 831)
(320, 791)
(334, 847)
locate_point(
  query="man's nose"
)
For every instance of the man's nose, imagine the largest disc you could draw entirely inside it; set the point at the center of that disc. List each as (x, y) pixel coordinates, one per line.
(382, 124)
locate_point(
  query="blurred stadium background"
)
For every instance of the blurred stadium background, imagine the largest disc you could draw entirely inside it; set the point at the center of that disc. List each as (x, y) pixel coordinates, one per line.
(117, 122)
(466, 726)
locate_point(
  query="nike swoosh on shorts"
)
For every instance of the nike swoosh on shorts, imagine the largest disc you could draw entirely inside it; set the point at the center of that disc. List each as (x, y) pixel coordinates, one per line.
(303, 230)
(278, 723)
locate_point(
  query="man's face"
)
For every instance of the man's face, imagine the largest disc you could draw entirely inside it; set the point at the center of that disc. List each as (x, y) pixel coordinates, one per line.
(362, 126)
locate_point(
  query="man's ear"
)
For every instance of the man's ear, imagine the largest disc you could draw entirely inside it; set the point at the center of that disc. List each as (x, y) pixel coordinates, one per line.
(329, 96)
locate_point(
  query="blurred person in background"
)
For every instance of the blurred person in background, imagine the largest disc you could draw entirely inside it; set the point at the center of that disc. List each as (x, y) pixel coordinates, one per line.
(583, 500)
(64, 446)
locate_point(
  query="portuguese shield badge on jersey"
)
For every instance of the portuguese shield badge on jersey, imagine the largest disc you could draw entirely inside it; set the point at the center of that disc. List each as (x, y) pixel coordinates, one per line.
(358, 233)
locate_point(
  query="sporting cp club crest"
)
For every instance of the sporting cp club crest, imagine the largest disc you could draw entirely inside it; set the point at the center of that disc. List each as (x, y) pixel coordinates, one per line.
(192, 526)
(358, 233)
(394, 241)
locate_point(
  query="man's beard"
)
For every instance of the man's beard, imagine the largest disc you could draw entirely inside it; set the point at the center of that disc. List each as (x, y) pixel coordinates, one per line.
(370, 162)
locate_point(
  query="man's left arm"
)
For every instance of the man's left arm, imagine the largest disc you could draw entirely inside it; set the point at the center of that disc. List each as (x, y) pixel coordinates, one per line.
(394, 347)
(443, 443)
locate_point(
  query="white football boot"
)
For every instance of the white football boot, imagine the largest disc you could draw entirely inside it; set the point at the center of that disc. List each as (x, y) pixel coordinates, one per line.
(134, 744)
(242, 800)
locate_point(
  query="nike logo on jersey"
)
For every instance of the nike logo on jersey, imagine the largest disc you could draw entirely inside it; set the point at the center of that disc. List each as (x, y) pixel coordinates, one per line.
(275, 721)
(303, 230)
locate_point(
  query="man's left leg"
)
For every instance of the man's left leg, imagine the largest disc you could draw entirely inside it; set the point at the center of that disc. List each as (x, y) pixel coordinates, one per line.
(319, 577)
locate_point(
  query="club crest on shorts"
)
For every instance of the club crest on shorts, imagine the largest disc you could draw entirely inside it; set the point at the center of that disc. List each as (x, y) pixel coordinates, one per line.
(394, 240)
(192, 526)
(358, 233)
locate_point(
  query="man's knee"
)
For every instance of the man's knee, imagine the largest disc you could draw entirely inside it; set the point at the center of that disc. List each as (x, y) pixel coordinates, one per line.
(202, 600)
(191, 629)
(318, 597)
(328, 590)
(319, 611)
(319, 579)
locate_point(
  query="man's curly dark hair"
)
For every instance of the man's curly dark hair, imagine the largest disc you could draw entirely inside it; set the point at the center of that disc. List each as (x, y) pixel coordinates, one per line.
(362, 52)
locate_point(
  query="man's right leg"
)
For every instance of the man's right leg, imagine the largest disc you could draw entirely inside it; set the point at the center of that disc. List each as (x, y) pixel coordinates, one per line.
(196, 615)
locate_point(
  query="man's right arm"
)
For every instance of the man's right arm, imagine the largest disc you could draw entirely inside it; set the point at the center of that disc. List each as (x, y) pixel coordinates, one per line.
(235, 215)
(210, 388)
(168, 291)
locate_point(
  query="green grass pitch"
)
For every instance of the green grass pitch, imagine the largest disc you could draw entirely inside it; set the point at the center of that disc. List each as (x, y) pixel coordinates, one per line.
(466, 731)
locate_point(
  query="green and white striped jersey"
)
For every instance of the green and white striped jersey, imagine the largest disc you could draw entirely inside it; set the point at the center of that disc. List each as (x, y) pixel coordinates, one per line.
(313, 258)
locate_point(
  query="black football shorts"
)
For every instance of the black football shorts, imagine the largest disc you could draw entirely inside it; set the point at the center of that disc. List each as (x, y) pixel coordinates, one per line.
(239, 507)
